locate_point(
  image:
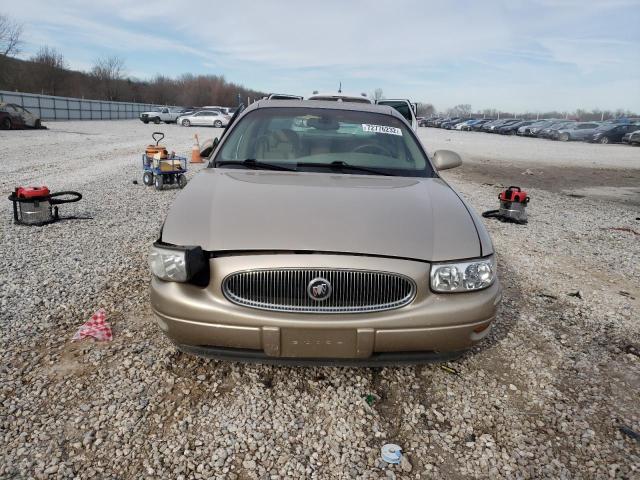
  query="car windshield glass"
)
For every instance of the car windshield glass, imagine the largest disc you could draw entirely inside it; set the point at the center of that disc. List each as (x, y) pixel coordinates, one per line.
(314, 139)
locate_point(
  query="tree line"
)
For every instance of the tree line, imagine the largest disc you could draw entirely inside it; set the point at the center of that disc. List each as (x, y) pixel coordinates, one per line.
(46, 72)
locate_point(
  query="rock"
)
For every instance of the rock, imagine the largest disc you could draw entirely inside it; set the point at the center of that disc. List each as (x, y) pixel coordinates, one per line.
(405, 464)
(88, 438)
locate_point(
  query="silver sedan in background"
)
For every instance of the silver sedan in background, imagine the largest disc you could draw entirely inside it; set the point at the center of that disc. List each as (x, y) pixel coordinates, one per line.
(576, 131)
(208, 118)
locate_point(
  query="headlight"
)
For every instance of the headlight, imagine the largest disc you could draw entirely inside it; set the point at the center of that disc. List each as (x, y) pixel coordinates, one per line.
(463, 276)
(175, 264)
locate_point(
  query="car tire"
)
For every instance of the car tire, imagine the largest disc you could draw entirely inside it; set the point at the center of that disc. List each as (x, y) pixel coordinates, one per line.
(158, 182)
(6, 124)
(156, 121)
(145, 122)
(182, 181)
(37, 124)
(217, 124)
(564, 137)
(147, 178)
(186, 123)
(604, 140)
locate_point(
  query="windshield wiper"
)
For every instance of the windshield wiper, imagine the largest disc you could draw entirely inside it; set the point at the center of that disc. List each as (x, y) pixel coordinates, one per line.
(339, 164)
(254, 164)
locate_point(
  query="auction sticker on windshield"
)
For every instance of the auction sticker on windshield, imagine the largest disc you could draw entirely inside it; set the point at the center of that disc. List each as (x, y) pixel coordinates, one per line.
(381, 129)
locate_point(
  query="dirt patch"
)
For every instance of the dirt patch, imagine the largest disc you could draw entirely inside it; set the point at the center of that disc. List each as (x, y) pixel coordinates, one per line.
(617, 185)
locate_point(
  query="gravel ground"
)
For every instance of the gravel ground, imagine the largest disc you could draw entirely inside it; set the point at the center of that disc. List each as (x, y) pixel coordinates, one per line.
(544, 396)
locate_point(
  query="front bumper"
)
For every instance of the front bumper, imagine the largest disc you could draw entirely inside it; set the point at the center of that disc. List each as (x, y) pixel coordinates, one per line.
(434, 326)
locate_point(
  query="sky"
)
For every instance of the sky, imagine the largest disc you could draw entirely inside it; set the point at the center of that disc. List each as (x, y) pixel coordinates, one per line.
(514, 55)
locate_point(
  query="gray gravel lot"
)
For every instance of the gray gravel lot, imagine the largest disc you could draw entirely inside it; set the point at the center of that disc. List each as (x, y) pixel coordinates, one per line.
(543, 397)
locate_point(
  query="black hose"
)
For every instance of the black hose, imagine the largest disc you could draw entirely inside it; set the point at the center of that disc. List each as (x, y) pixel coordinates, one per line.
(76, 197)
(501, 217)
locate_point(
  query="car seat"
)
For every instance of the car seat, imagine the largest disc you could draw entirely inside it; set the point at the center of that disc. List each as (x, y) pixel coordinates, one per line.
(278, 144)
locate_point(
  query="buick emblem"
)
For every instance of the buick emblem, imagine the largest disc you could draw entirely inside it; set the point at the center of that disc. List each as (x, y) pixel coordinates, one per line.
(319, 289)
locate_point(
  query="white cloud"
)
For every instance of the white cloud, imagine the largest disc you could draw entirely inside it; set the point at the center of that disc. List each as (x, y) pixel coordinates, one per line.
(509, 54)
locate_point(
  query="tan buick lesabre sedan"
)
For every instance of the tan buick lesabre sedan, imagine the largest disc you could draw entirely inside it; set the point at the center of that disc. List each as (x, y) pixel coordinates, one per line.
(321, 232)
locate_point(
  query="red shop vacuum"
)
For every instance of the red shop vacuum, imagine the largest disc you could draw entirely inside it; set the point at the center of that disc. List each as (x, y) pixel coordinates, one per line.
(38, 206)
(513, 206)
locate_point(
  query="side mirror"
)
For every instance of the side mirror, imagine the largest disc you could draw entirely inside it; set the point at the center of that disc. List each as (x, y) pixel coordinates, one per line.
(446, 159)
(216, 141)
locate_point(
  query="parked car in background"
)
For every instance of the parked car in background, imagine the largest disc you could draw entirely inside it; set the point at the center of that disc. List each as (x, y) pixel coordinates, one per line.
(494, 126)
(461, 125)
(524, 130)
(439, 123)
(166, 115)
(512, 128)
(632, 138)
(534, 129)
(486, 126)
(476, 124)
(611, 133)
(223, 110)
(208, 118)
(433, 121)
(450, 123)
(14, 116)
(253, 261)
(453, 120)
(9, 119)
(575, 131)
(548, 131)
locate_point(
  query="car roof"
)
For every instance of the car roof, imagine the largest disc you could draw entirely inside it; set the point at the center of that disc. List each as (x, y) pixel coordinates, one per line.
(348, 97)
(325, 104)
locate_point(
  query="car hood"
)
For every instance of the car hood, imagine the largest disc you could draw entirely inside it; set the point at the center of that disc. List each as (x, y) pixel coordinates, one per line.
(238, 210)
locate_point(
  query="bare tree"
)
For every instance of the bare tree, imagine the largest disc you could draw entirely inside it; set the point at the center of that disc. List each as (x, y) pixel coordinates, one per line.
(10, 36)
(462, 110)
(426, 110)
(376, 95)
(49, 57)
(109, 68)
(49, 70)
(109, 71)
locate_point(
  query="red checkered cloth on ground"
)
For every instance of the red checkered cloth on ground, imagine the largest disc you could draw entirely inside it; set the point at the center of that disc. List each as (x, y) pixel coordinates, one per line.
(96, 327)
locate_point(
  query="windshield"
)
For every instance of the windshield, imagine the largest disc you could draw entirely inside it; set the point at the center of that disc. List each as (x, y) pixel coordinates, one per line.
(314, 139)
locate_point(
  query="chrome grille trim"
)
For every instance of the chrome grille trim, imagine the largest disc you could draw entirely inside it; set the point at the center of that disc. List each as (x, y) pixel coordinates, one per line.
(285, 290)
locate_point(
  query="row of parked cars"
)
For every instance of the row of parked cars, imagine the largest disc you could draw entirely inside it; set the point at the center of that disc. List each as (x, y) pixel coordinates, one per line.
(211, 116)
(626, 130)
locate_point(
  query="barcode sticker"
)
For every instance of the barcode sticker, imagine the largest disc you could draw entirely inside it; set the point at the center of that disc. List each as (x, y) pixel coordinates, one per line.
(381, 129)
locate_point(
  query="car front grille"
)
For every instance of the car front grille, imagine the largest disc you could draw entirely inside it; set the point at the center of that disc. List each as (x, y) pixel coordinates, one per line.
(289, 290)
